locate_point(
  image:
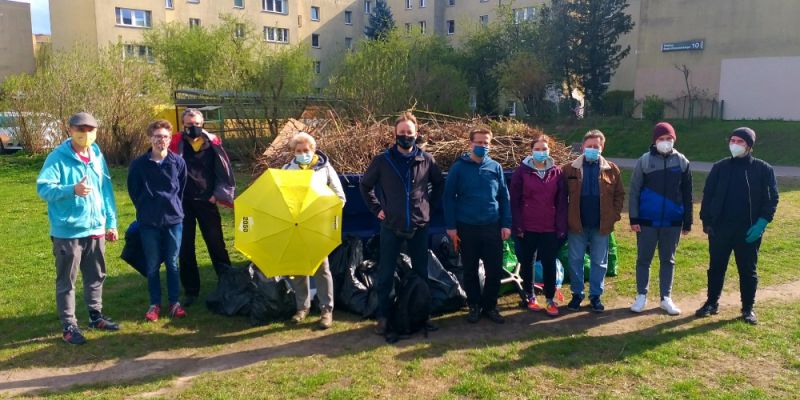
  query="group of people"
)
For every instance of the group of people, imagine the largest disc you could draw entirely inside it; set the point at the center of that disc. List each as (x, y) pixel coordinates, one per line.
(180, 181)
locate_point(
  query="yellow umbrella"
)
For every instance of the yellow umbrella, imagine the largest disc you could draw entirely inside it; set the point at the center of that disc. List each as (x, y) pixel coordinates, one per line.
(287, 223)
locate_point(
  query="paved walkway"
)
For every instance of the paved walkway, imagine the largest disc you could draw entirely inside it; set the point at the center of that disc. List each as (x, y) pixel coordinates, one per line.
(780, 171)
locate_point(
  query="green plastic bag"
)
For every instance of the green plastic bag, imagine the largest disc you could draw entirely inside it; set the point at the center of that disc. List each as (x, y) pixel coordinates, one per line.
(612, 255)
(509, 256)
(563, 256)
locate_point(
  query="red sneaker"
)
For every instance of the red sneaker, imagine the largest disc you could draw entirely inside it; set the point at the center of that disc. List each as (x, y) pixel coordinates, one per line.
(552, 309)
(152, 312)
(176, 311)
(533, 305)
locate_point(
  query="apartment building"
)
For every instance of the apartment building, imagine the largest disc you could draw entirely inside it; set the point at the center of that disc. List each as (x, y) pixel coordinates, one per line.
(16, 49)
(328, 27)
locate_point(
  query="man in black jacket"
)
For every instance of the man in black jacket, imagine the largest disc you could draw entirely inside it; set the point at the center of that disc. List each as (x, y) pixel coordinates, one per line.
(739, 200)
(399, 187)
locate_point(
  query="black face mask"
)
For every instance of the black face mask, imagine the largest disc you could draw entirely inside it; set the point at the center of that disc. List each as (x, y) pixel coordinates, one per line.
(194, 131)
(405, 142)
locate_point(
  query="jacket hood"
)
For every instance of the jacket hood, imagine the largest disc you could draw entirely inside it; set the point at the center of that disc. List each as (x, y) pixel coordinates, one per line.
(529, 162)
(466, 158)
(322, 161)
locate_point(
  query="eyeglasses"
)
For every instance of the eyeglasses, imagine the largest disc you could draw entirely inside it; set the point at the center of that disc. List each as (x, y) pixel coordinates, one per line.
(160, 137)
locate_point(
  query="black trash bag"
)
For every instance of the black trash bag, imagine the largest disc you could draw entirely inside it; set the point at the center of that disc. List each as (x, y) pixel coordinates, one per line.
(348, 255)
(357, 294)
(234, 291)
(450, 259)
(133, 252)
(273, 299)
(447, 295)
(412, 309)
(372, 249)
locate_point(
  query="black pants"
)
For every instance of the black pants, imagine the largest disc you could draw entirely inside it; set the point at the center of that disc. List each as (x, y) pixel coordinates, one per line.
(544, 247)
(481, 242)
(205, 214)
(720, 245)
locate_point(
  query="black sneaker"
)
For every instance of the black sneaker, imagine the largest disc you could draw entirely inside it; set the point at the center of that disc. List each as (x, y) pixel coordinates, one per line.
(708, 309)
(596, 305)
(188, 300)
(575, 303)
(72, 335)
(103, 323)
(474, 315)
(749, 317)
(494, 316)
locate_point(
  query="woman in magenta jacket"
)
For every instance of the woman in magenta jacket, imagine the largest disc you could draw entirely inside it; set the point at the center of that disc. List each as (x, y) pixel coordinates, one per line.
(539, 218)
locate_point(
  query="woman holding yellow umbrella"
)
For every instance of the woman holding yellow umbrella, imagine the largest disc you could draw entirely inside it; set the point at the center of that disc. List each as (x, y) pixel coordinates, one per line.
(307, 157)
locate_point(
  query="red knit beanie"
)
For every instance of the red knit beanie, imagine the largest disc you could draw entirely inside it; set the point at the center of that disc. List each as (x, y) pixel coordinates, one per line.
(663, 128)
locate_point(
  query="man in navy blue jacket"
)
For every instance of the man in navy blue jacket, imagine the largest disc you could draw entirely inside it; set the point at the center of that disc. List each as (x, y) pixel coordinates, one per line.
(156, 181)
(477, 214)
(739, 200)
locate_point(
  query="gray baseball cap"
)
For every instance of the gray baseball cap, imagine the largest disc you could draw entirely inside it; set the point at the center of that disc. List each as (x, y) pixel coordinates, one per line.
(82, 118)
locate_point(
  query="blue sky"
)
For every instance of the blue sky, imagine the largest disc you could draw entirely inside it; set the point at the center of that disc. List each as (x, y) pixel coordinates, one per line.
(40, 15)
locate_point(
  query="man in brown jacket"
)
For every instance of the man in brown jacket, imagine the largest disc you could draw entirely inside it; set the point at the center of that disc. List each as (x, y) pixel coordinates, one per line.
(596, 197)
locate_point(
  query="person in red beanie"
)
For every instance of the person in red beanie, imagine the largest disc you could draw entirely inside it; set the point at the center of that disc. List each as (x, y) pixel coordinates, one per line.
(660, 208)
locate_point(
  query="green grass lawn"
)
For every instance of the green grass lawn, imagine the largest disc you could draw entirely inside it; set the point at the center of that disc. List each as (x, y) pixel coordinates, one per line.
(701, 140)
(585, 357)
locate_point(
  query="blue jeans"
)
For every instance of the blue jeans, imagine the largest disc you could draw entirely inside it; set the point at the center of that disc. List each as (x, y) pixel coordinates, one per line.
(598, 256)
(387, 265)
(162, 244)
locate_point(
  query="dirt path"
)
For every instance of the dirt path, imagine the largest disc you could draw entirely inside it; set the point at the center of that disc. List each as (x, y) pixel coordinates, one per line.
(186, 364)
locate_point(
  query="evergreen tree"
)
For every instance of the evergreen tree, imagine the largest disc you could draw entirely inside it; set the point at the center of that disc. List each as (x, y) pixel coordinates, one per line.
(381, 22)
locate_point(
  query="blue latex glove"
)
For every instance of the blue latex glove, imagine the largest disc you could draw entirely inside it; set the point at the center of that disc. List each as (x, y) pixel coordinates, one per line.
(756, 230)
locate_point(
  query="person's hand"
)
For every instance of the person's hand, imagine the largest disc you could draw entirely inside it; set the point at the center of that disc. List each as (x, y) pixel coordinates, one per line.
(381, 215)
(505, 233)
(454, 239)
(81, 189)
(212, 200)
(636, 228)
(112, 235)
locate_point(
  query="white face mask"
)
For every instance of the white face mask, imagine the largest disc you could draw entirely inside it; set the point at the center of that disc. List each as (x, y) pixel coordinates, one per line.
(664, 146)
(737, 150)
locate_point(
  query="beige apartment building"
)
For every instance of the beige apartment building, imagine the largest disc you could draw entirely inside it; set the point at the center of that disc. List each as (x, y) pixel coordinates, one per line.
(16, 50)
(743, 52)
(329, 27)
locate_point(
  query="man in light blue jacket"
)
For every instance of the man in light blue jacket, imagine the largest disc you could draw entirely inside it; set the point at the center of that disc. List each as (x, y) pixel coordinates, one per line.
(76, 185)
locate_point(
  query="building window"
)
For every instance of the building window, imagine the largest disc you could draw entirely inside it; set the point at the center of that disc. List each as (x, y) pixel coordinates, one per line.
(348, 43)
(240, 31)
(523, 14)
(421, 3)
(451, 27)
(408, 28)
(193, 1)
(276, 6)
(276, 35)
(408, 4)
(348, 17)
(484, 1)
(317, 67)
(484, 20)
(169, 4)
(194, 22)
(422, 27)
(367, 6)
(451, 3)
(314, 13)
(131, 51)
(315, 40)
(238, 3)
(130, 17)
(512, 109)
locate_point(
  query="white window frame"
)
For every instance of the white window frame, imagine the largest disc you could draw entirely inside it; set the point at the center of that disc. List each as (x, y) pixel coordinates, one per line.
(348, 17)
(409, 4)
(135, 50)
(194, 25)
(408, 28)
(169, 4)
(193, 1)
(524, 14)
(274, 6)
(239, 31)
(422, 3)
(278, 35)
(312, 13)
(135, 15)
(451, 3)
(451, 26)
(367, 7)
(423, 26)
(315, 36)
(484, 20)
(237, 6)
(512, 109)
(317, 66)
(348, 43)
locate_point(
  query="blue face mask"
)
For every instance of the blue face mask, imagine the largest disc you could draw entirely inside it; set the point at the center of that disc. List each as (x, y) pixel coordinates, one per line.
(591, 154)
(304, 158)
(541, 156)
(480, 151)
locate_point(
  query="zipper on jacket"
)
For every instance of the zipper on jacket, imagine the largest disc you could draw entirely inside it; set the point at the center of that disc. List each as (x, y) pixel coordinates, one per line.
(406, 187)
(749, 198)
(664, 194)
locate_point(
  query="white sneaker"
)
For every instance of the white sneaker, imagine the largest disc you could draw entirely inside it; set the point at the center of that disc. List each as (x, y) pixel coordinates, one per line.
(640, 303)
(670, 307)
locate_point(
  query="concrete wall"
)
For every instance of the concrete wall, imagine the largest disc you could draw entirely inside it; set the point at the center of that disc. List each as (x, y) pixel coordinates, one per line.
(16, 49)
(765, 87)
